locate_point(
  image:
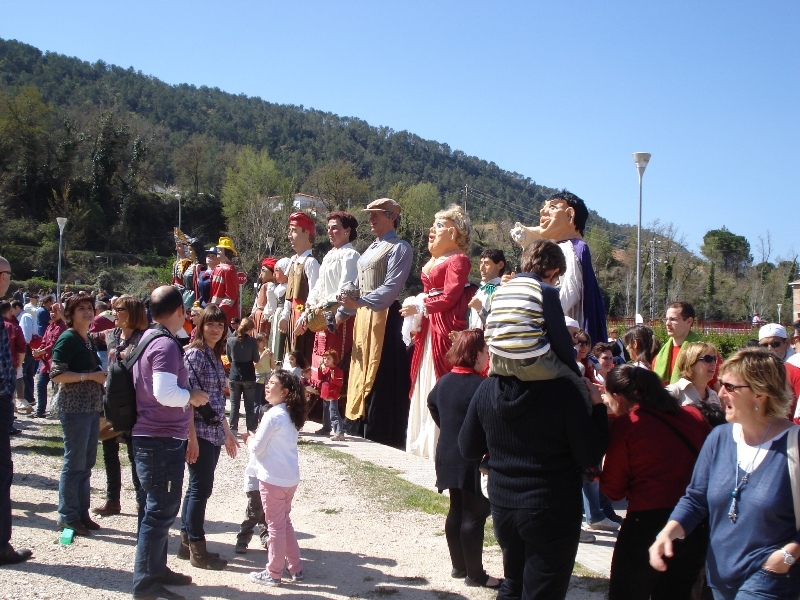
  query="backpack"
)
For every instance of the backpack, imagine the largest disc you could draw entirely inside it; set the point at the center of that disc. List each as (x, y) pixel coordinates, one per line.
(119, 404)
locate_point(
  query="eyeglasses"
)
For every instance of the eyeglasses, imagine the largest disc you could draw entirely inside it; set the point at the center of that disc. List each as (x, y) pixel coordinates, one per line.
(707, 358)
(772, 344)
(584, 343)
(119, 310)
(730, 387)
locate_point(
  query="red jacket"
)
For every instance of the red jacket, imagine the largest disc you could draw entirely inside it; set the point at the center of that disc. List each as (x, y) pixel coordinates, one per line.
(647, 462)
(332, 381)
(16, 341)
(49, 339)
(225, 289)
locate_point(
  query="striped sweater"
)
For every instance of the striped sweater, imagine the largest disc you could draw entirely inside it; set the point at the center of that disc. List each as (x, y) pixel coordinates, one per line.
(515, 327)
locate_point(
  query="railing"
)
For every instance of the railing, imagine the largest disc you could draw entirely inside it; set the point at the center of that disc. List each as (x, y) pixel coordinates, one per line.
(700, 326)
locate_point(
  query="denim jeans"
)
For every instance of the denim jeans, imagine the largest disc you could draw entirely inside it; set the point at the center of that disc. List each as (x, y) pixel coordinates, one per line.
(42, 381)
(6, 467)
(248, 390)
(201, 484)
(763, 585)
(539, 548)
(80, 432)
(596, 506)
(253, 517)
(159, 465)
(331, 419)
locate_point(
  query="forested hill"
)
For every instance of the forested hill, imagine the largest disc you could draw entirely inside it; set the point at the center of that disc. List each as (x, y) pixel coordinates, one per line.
(299, 140)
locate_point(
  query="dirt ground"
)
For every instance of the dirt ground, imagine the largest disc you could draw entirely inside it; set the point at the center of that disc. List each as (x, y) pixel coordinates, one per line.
(352, 546)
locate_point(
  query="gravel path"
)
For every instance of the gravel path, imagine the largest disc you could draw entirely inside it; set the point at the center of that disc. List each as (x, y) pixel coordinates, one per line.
(352, 546)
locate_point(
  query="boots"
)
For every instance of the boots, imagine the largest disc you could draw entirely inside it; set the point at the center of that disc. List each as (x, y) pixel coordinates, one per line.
(202, 559)
(183, 549)
(111, 507)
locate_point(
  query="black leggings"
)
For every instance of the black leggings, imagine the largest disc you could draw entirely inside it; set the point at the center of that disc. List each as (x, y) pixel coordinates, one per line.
(114, 469)
(464, 531)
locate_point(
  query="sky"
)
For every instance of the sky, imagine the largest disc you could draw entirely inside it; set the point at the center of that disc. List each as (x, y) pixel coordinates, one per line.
(561, 92)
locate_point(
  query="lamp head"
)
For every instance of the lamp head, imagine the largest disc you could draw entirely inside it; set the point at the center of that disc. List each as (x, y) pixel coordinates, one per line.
(641, 159)
(61, 222)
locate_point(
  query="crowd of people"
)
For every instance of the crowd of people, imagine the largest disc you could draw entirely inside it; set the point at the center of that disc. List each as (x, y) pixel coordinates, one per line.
(530, 411)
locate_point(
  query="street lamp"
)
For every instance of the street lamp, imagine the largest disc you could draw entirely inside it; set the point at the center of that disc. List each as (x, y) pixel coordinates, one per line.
(640, 159)
(61, 222)
(779, 313)
(178, 196)
(270, 240)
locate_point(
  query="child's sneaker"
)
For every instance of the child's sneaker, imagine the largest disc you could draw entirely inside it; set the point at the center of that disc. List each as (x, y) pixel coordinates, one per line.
(264, 578)
(297, 577)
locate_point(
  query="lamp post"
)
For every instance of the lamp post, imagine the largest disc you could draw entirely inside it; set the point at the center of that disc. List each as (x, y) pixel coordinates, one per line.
(178, 196)
(640, 159)
(61, 222)
(270, 240)
(779, 313)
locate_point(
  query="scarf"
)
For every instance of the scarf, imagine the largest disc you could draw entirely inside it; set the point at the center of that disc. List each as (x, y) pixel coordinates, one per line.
(661, 364)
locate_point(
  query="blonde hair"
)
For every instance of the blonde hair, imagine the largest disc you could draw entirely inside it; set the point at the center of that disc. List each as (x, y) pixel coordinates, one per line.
(462, 224)
(689, 355)
(765, 373)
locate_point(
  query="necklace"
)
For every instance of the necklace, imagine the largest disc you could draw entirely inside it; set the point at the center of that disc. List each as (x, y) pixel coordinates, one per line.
(733, 511)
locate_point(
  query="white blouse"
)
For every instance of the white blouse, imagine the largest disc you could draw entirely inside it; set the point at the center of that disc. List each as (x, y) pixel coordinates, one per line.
(339, 266)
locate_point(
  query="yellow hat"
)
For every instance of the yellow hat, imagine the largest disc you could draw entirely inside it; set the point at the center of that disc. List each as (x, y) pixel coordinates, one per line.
(227, 244)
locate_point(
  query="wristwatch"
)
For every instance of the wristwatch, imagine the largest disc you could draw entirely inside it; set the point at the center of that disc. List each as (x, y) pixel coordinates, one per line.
(788, 559)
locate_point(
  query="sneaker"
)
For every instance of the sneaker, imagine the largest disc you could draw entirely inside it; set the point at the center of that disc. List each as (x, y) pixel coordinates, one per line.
(297, 577)
(322, 431)
(23, 407)
(264, 578)
(587, 538)
(339, 437)
(604, 525)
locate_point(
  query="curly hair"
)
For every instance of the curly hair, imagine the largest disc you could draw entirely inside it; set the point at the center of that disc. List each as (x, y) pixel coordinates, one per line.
(296, 404)
(765, 373)
(462, 223)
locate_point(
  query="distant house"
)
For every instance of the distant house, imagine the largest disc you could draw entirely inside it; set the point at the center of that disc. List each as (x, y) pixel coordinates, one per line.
(302, 202)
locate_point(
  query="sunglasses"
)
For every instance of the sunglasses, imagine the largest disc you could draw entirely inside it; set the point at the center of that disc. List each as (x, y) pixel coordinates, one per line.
(584, 343)
(730, 387)
(707, 358)
(773, 344)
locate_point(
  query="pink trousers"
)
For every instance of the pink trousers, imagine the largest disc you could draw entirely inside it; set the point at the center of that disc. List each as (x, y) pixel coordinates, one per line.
(283, 547)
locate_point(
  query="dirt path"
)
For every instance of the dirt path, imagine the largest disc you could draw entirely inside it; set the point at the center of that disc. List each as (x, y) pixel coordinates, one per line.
(353, 546)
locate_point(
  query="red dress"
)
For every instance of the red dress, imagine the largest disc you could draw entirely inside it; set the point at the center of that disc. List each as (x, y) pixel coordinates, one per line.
(447, 311)
(225, 289)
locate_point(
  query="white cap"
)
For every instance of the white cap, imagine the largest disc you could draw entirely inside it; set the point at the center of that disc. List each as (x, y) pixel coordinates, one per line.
(772, 330)
(570, 322)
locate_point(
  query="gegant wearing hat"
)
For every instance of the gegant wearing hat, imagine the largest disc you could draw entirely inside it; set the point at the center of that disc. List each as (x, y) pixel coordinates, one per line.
(224, 281)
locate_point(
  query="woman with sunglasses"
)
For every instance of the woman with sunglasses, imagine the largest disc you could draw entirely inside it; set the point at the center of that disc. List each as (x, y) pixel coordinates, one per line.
(583, 344)
(742, 485)
(653, 445)
(697, 364)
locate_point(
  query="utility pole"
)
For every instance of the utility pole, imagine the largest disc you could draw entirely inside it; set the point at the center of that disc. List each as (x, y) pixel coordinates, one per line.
(652, 280)
(466, 195)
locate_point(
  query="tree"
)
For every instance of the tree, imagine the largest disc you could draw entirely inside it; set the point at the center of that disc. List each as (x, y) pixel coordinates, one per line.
(338, 185)
(730, 251)
(420, 203)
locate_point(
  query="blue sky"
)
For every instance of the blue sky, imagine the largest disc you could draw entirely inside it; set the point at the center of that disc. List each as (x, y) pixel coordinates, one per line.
(562, 92)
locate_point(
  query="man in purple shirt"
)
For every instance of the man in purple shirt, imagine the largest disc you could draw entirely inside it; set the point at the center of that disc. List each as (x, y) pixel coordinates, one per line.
(159, 443)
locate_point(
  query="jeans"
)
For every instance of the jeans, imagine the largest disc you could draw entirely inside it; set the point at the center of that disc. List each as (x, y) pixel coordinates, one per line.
(539, 548)
(632, 577)
(114, 469)
(248, 390)
(763, 585)
(464, 531)
(80, 432)
(283, 547)
(331, 419)
(6, 467)
(41, 393)
(596, 506)
(159, 465)
(201, 484)
(253, 517)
